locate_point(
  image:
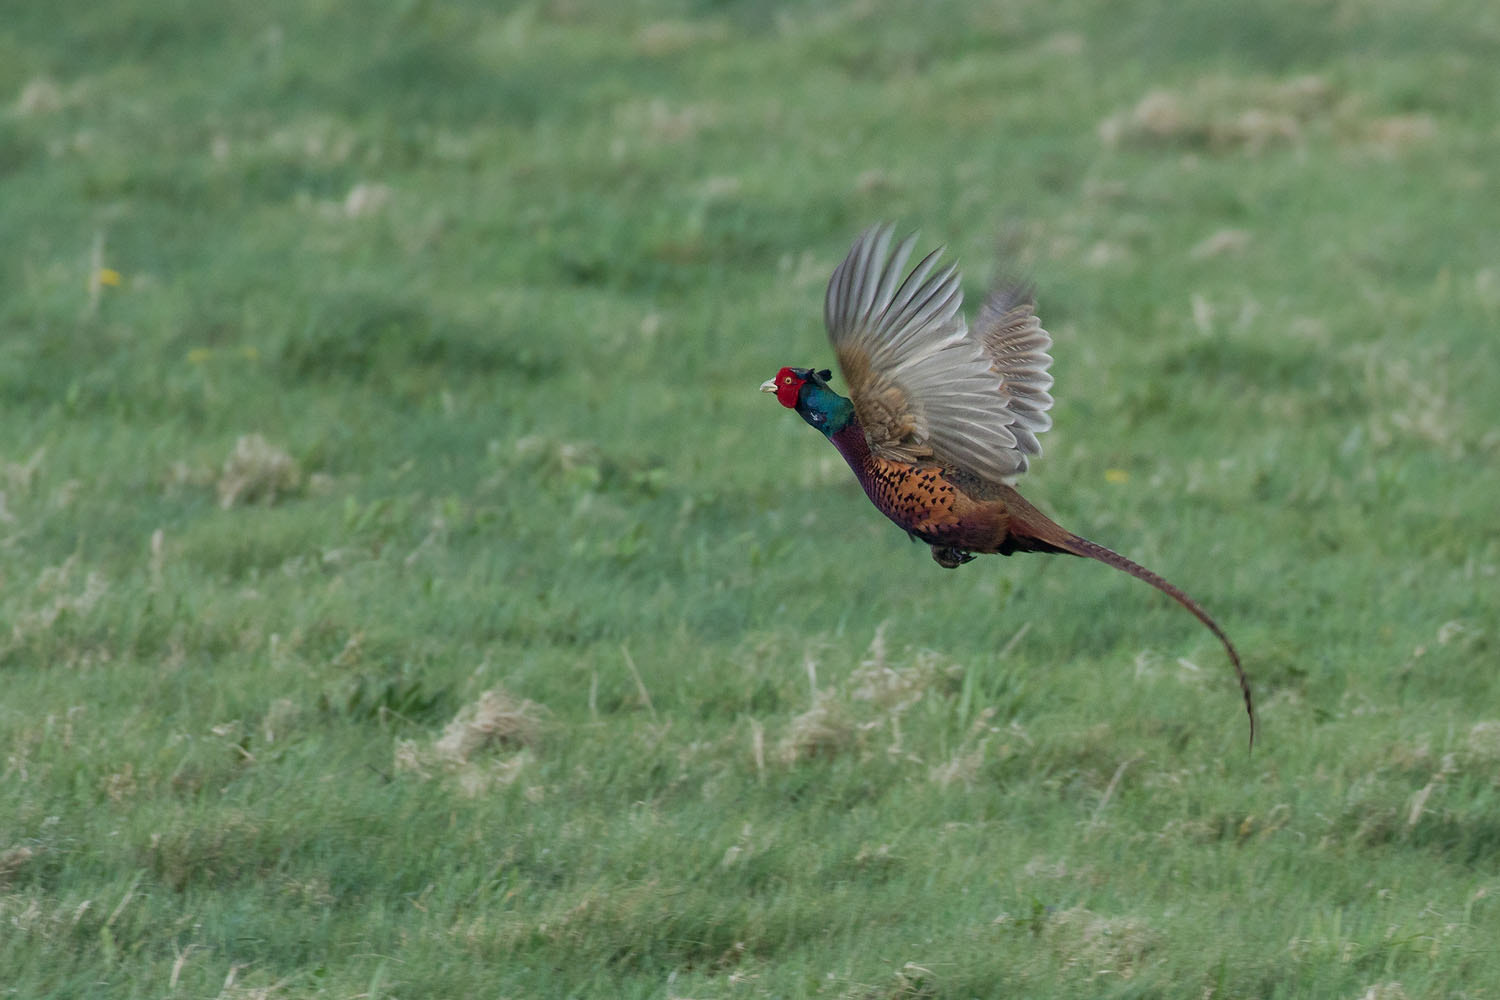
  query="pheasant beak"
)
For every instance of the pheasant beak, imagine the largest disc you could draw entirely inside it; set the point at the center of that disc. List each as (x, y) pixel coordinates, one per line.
(769, 385)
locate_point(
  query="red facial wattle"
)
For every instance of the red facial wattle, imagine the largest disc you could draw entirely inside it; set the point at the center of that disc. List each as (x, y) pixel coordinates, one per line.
(787, 385)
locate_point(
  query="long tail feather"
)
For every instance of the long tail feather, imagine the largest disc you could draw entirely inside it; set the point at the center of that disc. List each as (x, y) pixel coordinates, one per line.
(1084, 547)
(1028, 525)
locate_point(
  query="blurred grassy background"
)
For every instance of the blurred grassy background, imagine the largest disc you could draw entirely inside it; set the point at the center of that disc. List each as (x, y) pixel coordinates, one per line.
(405, 592)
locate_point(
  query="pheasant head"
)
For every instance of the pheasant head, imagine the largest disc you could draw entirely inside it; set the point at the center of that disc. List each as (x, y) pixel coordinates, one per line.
(806, 391)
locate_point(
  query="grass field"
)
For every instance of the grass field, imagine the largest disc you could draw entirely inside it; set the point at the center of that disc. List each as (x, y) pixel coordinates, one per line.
(405, 592)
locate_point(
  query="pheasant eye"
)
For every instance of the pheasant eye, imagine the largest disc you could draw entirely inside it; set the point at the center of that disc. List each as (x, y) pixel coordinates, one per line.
(787, 380)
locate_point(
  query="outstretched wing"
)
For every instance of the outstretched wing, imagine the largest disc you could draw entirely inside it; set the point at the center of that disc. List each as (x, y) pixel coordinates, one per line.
(923, 388)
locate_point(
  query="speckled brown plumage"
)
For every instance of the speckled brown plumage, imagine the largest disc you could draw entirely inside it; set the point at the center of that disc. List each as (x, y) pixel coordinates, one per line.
(916, 496)
(923, 499)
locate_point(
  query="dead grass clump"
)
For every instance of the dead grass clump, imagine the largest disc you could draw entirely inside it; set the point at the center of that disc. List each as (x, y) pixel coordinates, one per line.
(910, 982)
(257, 470)
(572, 461)
(121, 786)
(21, 476)
(12, 860)
(892, 689)
(1222, 114)
(1417, 805)
(233, 846)
(967, 760)
(663, 123)
(825, 730)
(283, 716)
(59, 593)
(1105, 946)
(232, 991)
(1384, 991)
(498, 720)
(181, 476)
(1395, 134)
(1418, 405)
(366, 199)
(1256, 128)
(667, 38)
(1483, 743)
(963, 767)
(870, 702)
(1159, 115)
(1222, 243)
(1165, 118)
(576, 466)
(40, 96)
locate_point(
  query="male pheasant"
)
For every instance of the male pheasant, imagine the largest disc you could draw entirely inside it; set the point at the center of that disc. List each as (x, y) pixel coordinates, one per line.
(941, 418)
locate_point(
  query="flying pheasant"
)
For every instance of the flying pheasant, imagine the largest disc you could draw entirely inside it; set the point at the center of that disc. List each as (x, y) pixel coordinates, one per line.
(940, 418)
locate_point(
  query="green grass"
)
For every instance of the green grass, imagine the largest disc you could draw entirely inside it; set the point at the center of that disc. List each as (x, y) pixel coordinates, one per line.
(500, 283)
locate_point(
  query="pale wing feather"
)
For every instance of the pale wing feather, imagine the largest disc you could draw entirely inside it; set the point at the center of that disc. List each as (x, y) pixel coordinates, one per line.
(922, 386)
(1012, 335)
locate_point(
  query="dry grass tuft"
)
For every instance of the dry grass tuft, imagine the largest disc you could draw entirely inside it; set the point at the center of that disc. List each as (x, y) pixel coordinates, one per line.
(21, 476)
(874, 181)
(121, 786)
(256, 470)
(1222, 243)
(663, 123)
(232, 991)
(892, 689)
(283, 716)
(1417, 405)
(18, 478)
(870, 702)
(1417, 805)
(1395, 134)
(497, 720)
(1222, 114)
(666, 38)
(964, 765)
(12, 860)
(59, 594)
(1225, 114)
(1483, 742)
(1104, 946)
(1158, 115)
(40, 96)
(574, 465)
(825, 730)
(910, 982)
(366, 199)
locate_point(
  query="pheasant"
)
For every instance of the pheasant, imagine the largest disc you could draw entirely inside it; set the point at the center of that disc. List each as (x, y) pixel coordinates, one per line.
(940, 419)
